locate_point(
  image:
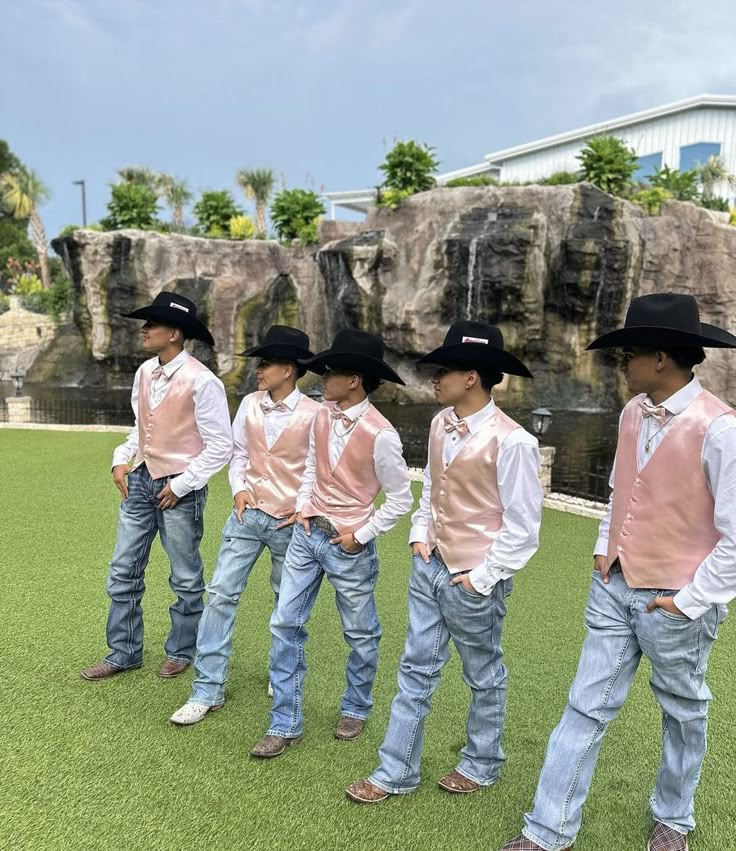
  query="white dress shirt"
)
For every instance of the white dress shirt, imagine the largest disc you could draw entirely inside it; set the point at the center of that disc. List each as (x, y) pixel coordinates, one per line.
(520, 490)
(388, 463)
(210, 413)
(274, 422)
(715, 580)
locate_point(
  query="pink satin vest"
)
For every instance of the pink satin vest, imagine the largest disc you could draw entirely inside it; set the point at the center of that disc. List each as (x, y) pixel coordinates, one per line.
(346, 494)
(273, 476)
(467, 514)
(662, 524)
(168, 437)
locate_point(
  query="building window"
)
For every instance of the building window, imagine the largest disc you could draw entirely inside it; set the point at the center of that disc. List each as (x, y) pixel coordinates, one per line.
(647, 165)
(692, 155)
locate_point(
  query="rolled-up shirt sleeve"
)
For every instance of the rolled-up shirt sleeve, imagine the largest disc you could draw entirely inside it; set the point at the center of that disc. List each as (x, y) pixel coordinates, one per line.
(239, 460)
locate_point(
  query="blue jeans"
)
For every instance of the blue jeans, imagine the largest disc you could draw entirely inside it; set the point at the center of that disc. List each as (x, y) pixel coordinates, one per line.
(620, 631)
(354, 577)
(181, 529)
(242, 544)
(438, 612)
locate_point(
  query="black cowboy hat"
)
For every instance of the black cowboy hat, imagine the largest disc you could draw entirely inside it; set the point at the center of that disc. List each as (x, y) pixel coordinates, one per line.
(283, 342)
(475, 345)
(665, 319)
(354, 351)
(178, 312)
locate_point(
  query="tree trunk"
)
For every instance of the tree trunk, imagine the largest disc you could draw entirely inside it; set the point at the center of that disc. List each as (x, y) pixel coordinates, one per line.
(260, 218)
(38, 235)
(178, 217)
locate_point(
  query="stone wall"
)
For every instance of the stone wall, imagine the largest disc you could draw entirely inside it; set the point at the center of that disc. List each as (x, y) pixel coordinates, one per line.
(24, 335)
(554, 267)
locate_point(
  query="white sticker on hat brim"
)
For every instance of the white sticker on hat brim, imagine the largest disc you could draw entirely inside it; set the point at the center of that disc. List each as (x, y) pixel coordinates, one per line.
(178, 306)
(475, 340)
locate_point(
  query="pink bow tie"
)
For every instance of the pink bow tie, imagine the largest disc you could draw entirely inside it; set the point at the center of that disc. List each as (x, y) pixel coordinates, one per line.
(159, 373)
(337, 414)
(657, 412)
(452, 423)
(267, 407)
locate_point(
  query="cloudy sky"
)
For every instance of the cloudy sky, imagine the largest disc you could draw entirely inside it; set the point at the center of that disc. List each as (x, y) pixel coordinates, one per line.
(318, 91)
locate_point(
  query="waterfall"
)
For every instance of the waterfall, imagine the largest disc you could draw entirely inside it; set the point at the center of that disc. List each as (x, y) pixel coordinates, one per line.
(472, 263)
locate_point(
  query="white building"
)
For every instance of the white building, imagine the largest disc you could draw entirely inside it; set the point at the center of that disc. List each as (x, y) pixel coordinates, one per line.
(678, 135)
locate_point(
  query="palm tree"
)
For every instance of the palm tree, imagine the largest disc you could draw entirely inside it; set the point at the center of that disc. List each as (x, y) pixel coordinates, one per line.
(138, 174)
(21, 194)
(176, 194)
(712, 172)
(257, 183)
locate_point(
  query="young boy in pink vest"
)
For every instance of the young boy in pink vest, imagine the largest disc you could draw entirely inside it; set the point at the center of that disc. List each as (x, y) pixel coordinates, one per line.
(665, 567)
(354, 453)
(477, 525)
(271, 437)
(180, 440)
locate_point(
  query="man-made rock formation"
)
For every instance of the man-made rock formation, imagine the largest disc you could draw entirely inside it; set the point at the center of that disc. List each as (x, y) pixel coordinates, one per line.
(553, 266)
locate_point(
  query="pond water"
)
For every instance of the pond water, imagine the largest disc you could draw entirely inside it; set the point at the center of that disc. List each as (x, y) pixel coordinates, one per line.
(585, 441)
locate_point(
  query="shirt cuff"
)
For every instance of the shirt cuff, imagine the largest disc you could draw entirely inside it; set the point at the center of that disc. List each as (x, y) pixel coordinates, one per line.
(179, 486)
(685, 603)
(419, 534)
(601, 547)
(364, 535)
(238, 485)
(121, 456)
(484, 579)
(299, 504)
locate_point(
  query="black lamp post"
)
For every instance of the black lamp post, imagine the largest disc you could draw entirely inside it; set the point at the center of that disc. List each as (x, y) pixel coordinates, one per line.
(84, 201)
(541, 419)
(18, 378)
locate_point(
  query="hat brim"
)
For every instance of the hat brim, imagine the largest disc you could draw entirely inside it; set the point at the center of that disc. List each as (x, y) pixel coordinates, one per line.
(476, 356)
(191, 326)
(291, 353)
(354, 362)
(649, 336)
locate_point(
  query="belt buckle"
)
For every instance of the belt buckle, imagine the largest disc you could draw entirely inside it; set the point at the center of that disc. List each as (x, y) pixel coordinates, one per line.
(324, 525)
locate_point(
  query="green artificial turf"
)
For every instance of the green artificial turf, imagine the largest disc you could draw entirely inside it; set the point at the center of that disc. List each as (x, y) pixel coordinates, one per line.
(97, 765)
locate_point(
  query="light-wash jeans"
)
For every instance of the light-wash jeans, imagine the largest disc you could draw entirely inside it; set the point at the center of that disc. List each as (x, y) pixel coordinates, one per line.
(620, 631)
(354, 577)
(181, 529)
(242, 544)
(438, 612)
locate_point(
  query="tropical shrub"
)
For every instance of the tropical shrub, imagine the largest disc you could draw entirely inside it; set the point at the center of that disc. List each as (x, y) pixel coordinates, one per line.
(732, 218)
(607, 163)
(214, 210)
(409, 166)
(561, 178)
(131, 205)
(651, 199)
(721, 205)
(4, 303)
(391, 198)
(241, 227)
(295, 214)
(475, 180)
(682, 185)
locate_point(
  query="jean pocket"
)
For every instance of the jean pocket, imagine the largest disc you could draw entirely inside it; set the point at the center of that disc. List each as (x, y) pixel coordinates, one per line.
(351, 553)
(474, 595)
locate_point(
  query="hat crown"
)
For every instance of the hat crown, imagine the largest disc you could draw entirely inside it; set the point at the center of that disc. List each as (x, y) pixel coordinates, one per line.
(473, 331)
(285, 335)
(352, 341)
(176, 302)
(664, 310)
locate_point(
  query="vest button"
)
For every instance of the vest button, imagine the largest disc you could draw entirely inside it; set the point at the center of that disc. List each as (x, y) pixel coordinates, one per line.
(635, 499)
(268, 453)
(444, 476)
(442, 493)
(620, 549)
(638, 481)
(629, 516)
(624, 532)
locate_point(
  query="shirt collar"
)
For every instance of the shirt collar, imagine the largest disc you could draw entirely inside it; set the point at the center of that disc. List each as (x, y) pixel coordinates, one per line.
(677, 402)
(357, 410)
(174, 364)
(291, 401)
(479, 418)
